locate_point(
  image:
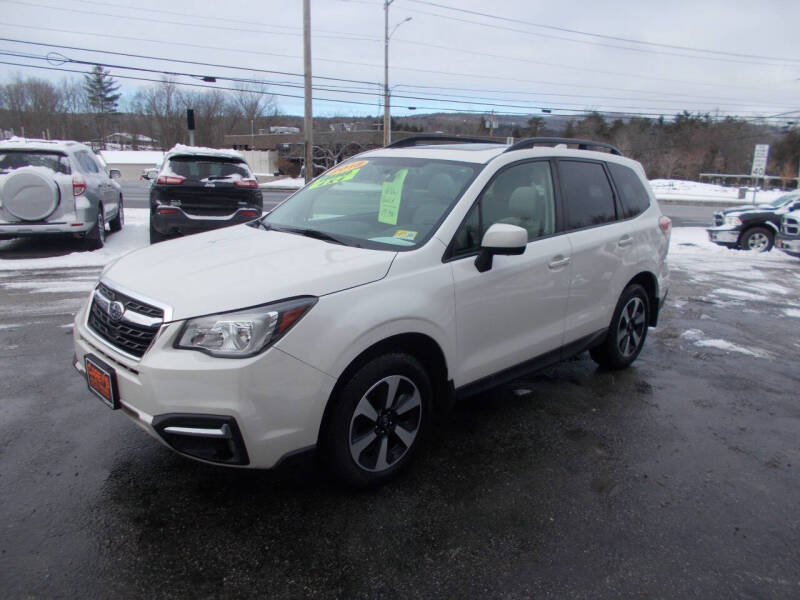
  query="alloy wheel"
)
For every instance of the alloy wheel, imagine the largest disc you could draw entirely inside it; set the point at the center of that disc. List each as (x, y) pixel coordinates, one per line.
(757, 241)
(385, 423)
(631, 327)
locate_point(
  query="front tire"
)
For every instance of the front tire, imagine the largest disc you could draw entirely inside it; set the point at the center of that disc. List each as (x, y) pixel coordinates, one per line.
(758, 239)
(378, 420)
(627, 331)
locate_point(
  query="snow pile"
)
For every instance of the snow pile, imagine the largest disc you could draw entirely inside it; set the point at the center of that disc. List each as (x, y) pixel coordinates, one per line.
(697, 337)
(688, 191)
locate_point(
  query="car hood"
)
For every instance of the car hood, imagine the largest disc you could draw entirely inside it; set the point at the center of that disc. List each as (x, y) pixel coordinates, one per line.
(750, 208)
(242, 266)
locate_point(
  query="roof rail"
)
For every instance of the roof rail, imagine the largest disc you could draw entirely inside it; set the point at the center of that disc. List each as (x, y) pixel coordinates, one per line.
(416, 140)
(582, 144)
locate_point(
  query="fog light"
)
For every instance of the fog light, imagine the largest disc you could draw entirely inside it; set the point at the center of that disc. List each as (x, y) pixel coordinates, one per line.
(208, 437)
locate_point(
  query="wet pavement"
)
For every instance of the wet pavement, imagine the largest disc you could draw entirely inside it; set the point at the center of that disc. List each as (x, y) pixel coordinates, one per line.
(677, 478)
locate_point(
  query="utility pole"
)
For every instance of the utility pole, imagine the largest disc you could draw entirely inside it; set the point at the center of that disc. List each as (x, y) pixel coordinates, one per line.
(387, 121)
(308, 118)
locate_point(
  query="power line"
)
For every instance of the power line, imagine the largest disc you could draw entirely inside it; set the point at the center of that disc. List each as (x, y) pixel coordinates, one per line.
(595, 43)
(353, 102)
(600, 35)
(494, 103)
(376, 40)
(337, 61)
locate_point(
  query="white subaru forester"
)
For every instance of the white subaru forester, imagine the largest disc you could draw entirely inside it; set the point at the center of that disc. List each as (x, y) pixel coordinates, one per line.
(358, 309)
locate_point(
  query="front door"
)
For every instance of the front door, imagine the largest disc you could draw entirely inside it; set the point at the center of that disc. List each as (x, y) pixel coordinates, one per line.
(514, 311)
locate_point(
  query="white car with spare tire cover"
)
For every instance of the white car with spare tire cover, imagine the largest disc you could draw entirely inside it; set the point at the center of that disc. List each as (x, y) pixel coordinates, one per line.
(50, 187)
(362, 306)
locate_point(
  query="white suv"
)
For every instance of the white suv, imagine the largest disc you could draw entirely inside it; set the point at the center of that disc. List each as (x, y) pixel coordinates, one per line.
(363, 305)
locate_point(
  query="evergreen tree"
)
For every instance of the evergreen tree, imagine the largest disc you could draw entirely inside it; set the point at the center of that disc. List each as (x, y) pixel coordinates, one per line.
(102, 93)
(102, 90)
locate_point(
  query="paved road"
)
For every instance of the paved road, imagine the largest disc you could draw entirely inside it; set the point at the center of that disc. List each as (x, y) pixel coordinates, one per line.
(674, 479)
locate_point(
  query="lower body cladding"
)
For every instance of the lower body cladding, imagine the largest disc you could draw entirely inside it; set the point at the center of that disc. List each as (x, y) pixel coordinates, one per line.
(724, 236)
(241, 412)
(790, 245)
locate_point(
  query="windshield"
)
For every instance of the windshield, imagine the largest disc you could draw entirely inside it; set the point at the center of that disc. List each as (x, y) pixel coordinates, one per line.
(382, 203)
(16, 159)
(203, 168)
(785, 199)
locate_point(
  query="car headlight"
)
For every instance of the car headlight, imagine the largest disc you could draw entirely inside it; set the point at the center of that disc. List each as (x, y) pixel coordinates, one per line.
(243, 333)
(733, 221)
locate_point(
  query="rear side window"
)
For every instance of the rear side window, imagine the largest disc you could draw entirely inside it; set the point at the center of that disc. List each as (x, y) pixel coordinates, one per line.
(199, 168)
(632, 193)
(587, 194)
(86, 162)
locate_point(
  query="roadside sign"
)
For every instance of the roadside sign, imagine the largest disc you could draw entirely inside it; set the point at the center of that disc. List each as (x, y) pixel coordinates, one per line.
(760, 155)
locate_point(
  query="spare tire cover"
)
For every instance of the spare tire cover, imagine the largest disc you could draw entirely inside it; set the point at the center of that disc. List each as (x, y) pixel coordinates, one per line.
(30, 194)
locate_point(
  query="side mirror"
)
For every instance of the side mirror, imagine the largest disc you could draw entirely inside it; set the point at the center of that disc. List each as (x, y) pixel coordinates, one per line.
(115, 174)
(500, 238)
(150, 174)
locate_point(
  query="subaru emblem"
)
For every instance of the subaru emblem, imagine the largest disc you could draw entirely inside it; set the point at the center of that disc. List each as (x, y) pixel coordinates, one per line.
(115, 311)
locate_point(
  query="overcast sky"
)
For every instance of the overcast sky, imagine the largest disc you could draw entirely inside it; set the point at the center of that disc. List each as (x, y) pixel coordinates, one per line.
(507, 63)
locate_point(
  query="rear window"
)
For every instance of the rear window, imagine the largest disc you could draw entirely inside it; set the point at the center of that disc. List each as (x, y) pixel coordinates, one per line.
(204, 168)
(632, 193)
(16, 159)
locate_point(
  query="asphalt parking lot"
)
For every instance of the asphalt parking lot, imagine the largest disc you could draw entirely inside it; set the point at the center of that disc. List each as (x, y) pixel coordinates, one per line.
(677, 478)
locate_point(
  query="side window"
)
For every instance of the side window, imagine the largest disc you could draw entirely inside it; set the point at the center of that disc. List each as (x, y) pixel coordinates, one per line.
(587, 194)
(520, 195)
(87, 162)
(632, 193)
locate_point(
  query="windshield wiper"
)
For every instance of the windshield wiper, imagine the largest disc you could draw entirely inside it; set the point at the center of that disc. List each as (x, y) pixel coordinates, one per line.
(312, 233)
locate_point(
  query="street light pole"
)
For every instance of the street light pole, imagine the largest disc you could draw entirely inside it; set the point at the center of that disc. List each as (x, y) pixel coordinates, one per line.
(387, 123)
(308, 120)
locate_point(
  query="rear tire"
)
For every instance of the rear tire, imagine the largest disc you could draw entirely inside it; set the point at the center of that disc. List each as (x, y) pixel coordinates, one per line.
(627, 331)
(378, 421)
(117, 222)
(758, 239)
(96, 238)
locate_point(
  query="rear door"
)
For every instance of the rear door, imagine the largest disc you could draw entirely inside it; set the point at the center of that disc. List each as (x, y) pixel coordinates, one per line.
(514, 311)
(603, 246)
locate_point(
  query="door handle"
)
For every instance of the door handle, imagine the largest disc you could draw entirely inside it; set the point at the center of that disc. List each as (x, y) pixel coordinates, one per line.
(625, 240)
(558, 262)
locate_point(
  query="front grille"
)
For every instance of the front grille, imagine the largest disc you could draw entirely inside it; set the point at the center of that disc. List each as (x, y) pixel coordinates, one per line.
(130, 338)
(125, 335)
(718, 219)
(130, 303)
(791, 226)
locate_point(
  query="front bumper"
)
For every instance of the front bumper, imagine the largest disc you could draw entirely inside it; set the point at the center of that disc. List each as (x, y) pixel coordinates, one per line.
(789, 245)
(180, 221)
(723, 235)
(273, 402)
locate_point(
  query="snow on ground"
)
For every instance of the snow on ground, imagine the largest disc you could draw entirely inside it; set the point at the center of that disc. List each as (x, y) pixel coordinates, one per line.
(294, 183)
(698, 338)
(134, 235)
(692, 191)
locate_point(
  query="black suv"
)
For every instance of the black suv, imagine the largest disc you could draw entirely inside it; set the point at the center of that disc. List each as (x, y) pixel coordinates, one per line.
(752, 227)
(198, 189)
